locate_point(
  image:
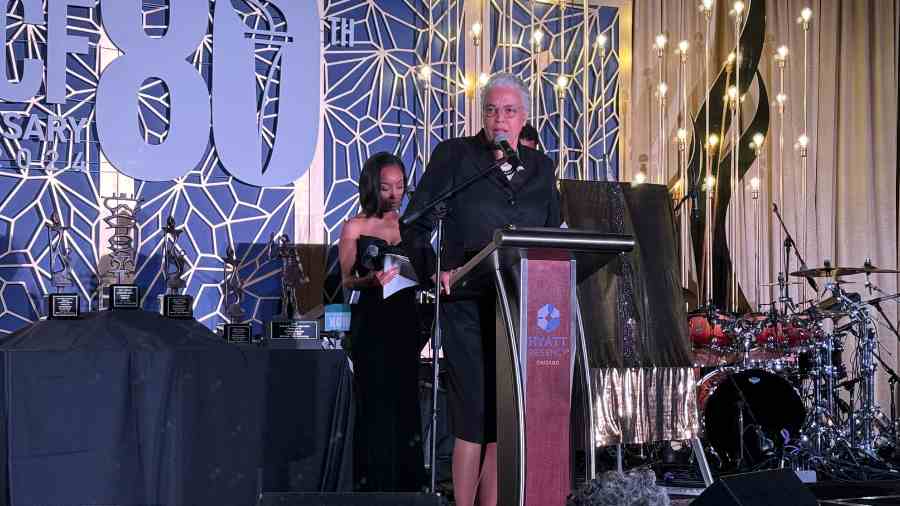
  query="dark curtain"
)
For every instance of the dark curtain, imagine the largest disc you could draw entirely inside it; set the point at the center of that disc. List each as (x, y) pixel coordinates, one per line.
(633, 309)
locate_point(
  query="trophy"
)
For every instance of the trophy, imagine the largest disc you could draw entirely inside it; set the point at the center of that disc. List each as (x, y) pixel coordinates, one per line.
(175, 304)
(119, 274)
(60, 305)
(289, 323)
(234, 331)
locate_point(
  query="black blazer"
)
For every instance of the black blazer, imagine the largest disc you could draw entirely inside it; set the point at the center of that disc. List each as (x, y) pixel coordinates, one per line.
(529, 199)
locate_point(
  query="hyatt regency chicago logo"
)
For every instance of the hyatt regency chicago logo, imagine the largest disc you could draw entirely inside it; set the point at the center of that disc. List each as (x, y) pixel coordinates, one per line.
(548, 318)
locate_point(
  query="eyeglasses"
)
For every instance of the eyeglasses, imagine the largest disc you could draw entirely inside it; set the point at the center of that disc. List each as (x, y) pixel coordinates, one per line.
(507, 112)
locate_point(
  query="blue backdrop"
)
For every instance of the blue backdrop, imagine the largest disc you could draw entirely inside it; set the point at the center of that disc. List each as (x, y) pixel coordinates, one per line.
(50, 160)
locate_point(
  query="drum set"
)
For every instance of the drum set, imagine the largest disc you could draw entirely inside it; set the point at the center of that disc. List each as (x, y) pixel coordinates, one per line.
(795, 386)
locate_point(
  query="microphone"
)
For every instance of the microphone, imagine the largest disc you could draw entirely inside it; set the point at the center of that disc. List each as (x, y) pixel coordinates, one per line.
(502, 142)
(369, 256)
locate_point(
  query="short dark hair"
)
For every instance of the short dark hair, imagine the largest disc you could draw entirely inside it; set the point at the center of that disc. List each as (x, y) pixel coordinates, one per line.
(529, 133)
(370, 182)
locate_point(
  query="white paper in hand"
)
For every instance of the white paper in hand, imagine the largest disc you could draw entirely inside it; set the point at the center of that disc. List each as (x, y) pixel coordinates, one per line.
(405, 278)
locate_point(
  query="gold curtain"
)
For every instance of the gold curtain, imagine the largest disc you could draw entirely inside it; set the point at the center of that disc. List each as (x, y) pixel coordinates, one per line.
(851, 206)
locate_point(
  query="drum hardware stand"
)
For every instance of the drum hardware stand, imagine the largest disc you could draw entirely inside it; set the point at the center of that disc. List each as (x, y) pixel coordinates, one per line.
(741, 433)
(702, 463)
(743, 404)
(893, 379)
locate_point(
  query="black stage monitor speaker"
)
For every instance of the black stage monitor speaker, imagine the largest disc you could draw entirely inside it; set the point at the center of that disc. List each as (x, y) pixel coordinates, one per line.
(338, 499)
(778, 487)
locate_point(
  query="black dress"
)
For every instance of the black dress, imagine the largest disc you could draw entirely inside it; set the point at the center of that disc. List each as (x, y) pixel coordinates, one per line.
(529, 199)
(384, 336)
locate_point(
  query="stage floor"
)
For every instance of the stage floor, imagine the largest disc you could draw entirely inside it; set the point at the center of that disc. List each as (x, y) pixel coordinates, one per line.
(830, 493)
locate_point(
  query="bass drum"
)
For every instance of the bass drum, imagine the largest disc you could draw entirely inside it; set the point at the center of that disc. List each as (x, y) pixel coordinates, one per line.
(772, 404)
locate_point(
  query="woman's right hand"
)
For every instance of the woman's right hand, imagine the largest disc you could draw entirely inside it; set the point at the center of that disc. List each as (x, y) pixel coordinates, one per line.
(382, 278)
(445, 281)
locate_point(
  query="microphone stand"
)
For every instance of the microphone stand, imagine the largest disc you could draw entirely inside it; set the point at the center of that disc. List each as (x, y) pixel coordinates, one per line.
(892, 383)
(439, 206)
(788, 244)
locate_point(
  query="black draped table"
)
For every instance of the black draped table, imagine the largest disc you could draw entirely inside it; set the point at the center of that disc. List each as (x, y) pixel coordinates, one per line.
(129, 408)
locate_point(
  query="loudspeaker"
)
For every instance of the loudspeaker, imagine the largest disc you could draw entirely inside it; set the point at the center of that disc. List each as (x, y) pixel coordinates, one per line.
(337, 499)
(777, 487)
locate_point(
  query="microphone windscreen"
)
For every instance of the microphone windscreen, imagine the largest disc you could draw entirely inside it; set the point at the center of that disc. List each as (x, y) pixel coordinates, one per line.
(369, 256)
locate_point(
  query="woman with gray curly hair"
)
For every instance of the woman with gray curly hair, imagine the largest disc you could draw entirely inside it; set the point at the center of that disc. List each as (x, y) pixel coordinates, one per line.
(634, 488)
(525, 196)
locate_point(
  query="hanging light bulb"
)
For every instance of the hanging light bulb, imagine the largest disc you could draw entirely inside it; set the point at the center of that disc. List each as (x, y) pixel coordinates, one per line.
(681, 134)
(759, 138)
(806, 14)
(468, 85)
(476, 29)
(425, 72)
(639, 178)
(601, 41)
(537, 37)
(683, 47)
(739, 8)
(661, 41)
(483, 79)
(781, 98)
(562, 82)
(782, 53)
(662, 89)
(712, 141)
(710, 183)
(732, 93)
(755, 184)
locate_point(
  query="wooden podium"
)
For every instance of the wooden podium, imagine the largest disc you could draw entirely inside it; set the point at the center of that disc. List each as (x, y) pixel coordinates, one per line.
(540, 352)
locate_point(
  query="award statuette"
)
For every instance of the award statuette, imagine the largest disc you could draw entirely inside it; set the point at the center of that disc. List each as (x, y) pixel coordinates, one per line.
(175, 304)
(234, 331)
(119, 276)
(289, 324)
(61, 305)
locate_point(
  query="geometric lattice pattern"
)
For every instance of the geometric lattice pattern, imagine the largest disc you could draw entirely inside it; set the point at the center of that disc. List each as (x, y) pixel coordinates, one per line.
(216, 210)
(53, 180)
(559, 52)
(376, 99)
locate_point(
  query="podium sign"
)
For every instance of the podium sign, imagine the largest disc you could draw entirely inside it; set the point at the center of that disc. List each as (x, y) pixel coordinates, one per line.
(548, 325)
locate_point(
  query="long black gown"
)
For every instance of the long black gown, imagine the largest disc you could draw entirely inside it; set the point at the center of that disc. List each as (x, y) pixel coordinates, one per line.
(384, 346)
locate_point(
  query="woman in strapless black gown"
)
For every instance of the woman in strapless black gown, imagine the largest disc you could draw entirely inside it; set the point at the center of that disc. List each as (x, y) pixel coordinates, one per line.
(384, 338)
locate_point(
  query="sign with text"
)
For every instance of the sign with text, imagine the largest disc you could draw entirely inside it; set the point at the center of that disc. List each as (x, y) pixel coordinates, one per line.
(547, 367)
(261, 123)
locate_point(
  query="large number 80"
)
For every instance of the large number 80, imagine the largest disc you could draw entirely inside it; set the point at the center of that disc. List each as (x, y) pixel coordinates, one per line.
(163, 58)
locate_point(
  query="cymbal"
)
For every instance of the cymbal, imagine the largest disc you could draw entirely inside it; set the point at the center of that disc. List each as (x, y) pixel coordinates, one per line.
(831, 272)
(876, 300)
(827, 304)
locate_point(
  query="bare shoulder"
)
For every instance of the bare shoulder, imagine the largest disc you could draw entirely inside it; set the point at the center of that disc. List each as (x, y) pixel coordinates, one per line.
(353, 227)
